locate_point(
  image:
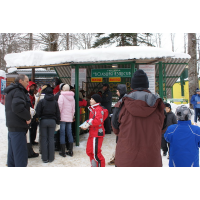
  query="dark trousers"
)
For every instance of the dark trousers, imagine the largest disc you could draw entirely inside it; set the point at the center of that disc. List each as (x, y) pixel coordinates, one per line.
(33, 130)
(47, 130)
(17, 149)
(164, 144)
(107, 126)
(196, 114)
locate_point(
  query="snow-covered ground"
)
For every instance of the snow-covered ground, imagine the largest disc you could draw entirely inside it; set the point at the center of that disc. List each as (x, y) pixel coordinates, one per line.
(80, 159)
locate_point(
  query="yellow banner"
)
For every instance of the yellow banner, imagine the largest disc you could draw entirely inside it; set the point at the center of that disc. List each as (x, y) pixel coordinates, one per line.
(96, 79)
(115, 79)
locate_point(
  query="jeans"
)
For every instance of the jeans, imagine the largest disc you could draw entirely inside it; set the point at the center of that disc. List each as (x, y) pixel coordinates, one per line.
(47, 130)
(68, 126)
(196, 114)
(17, 149)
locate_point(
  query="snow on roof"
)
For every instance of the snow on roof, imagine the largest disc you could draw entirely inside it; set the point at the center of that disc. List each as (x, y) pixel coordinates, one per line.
(39, 58)
(2, 73)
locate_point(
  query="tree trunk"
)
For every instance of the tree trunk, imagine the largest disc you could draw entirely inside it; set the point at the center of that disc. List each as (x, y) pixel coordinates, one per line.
(192, 67)
(30, 41)
(135, 39)
(53, 42)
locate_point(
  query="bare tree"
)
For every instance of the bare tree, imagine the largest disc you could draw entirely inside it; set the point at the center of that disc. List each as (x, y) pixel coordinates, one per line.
(172, 40)
(192, 68)
(185, 42)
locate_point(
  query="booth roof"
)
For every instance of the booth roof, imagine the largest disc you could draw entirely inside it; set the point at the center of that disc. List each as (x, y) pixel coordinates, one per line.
(114, 54)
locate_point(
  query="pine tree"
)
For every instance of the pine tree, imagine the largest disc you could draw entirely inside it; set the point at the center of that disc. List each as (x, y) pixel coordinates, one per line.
(122, 39)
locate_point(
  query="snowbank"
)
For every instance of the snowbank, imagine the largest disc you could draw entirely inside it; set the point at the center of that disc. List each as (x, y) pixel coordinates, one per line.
(38, 58)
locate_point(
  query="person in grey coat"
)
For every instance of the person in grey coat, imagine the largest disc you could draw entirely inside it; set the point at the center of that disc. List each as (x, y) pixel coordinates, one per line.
(170, 119)
(107, 103)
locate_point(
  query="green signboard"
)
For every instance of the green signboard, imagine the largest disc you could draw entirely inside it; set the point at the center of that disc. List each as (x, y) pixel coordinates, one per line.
(106, 73)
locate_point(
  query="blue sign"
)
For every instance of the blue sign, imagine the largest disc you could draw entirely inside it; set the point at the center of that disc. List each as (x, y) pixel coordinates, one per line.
(3, 85)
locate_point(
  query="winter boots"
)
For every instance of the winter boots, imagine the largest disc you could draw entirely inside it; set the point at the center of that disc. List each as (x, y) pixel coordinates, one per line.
(70, 152)
(31, 153)
(62, 153)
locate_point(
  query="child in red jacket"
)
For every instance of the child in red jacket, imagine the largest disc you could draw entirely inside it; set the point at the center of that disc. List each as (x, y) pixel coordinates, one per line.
(96, 132)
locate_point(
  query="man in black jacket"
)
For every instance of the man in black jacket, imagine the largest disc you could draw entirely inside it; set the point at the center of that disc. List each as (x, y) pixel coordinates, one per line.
(17, 109)
(107, 103)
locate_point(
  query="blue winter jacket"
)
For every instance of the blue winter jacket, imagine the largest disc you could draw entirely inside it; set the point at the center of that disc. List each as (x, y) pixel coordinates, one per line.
(193, 101)
(184, 140)
(197, 99)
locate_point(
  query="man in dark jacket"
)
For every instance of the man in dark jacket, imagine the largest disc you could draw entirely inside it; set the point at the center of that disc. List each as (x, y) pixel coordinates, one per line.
(141, 121)
(17, 109)
(107, 103)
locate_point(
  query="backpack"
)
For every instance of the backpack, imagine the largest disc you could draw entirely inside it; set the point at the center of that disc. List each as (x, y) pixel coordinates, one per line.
(104, 112)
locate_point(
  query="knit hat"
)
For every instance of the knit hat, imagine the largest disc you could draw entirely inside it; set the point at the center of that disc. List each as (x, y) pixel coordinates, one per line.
(61, 86)
(168, 105)
(48, 90)
(97, 98)
(65, 87)
(139, 80)
(106, 84)
(197, 90)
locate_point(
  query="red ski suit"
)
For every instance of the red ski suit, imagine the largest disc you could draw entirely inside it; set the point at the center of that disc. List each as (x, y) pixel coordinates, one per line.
(96, 134)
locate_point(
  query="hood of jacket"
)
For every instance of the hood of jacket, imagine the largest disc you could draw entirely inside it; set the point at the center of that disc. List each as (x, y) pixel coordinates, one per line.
(49, 97)
(122, 89)
(13, 86)
(69, 95)
(141, 103)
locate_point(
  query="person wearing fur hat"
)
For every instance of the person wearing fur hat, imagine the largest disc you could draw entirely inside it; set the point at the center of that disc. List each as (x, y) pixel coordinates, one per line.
(184, 139)
(96, 132)
(171, 119)
(56, 96)
(66, 104)
(141, 120)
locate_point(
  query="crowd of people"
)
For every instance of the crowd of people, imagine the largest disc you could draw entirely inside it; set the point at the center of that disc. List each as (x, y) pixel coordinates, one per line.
(142, 122)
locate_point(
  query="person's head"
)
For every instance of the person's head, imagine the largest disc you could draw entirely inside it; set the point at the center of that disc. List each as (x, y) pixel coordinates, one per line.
(183, 113)
(22, 79)
(167, 107)
(95, 98)
(198, 91)
(121, 90)
(65, 87)
(80, 95)
(48, 90)
(139, 80)
(57, 81)
(105, 86)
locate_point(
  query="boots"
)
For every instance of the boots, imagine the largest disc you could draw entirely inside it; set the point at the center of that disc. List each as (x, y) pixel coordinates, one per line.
(62, 153)
(31, 153)
(70, 152)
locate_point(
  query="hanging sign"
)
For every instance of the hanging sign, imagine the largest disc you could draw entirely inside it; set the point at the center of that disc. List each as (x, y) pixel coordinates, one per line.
(107, 73)
(115, 79)
(96, 79)
(150, 71)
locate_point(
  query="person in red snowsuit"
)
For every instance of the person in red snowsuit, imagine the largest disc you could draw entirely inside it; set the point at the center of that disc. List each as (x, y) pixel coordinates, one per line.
(96, 132)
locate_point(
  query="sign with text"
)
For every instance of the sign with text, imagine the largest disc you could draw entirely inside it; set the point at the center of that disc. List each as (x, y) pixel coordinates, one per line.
(107, 73)
(115, 79)
(96, 79)
(150, 71)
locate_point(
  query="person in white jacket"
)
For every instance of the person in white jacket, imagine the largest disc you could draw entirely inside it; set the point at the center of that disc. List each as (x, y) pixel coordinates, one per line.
(66, 104)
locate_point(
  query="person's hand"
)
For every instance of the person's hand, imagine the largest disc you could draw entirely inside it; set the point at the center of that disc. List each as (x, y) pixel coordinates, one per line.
(84, 128)
(198, 102)
(28, 122)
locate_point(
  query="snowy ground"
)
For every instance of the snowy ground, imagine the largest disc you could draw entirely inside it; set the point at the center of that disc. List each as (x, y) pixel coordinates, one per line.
(80, 159)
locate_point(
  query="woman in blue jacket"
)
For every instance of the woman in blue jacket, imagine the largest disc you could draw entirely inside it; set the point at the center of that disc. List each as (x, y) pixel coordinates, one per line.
(184, 140)
(195, 100)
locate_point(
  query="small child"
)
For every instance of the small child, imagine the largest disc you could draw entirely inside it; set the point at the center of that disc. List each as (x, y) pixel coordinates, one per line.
(96, 132)
(171, 119)
(184, 140)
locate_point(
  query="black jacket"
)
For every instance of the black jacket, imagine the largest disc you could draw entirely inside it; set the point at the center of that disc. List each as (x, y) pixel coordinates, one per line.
(56, 96)
(171, 119)
(47, 108)
(17, 108)
(107, 100)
